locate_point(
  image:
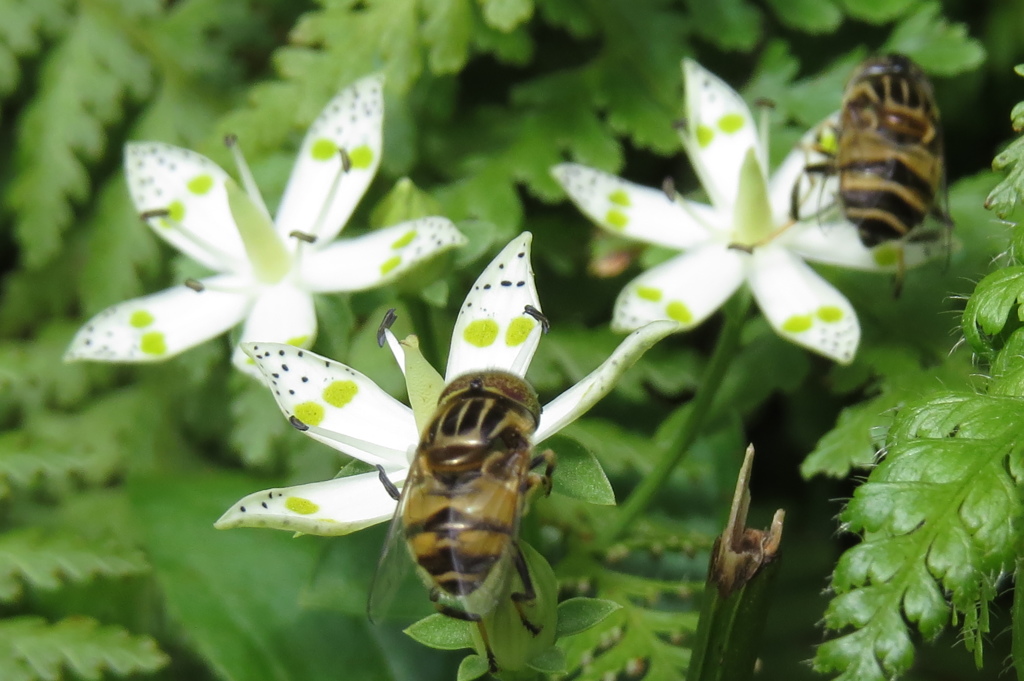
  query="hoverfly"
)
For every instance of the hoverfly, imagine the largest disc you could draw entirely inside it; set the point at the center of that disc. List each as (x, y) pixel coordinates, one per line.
(459, 510)
(887, 153)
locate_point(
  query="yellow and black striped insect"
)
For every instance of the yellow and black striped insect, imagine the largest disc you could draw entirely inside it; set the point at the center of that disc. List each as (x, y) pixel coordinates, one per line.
(461, 504)
(887, 152)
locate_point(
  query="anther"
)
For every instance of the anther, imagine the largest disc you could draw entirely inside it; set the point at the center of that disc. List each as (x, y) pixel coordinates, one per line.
(681, 124)
(385, 324)
(346, 160)
(389, 486)
(545, 325)
(764, 103)
(230, 140)
(297, 424)
(668, 187)
(154, 213)
(302, 236)
(195, 285)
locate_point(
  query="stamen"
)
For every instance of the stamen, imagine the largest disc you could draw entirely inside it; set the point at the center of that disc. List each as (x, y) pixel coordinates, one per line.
(765, 107)
(681, 124)
(192, 237)
(668, 186)
(248, 182)
(346, 165)
(154, 213)
(389, 486)
(195, 285)
(385, 326)
(545, 325)
(302, 236)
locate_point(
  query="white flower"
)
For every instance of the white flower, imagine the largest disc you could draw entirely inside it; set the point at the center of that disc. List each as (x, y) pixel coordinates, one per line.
(267, 271)
(339, 406)
(746, 234)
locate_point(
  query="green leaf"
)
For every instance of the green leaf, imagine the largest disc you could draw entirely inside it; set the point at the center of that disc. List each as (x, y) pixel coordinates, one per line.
(31, 648)
(551, 661)
(84, 85)
(579, 474)
(579, 614)
(441, 632)
(257, 424)
(23, 28)
(987, 318)
(877, 11)
(236, 593)
(1008, 193)
(447, 29)
(942, 48)
(810, 16)
(729, 24)
(46, 560)
(472, 667)
(505, 15)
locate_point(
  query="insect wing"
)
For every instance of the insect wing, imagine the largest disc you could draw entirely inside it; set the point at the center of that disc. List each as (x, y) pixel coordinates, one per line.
(396, 592)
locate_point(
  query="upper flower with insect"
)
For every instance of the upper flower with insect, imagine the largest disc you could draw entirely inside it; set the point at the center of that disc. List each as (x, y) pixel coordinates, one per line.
(756, 229)
(267, 270)
(499, 327)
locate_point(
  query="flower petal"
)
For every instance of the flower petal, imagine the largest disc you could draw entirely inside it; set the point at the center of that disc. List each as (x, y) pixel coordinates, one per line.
(686, 289)
(190, 187)
(632, 210)
(818, 191)
(719, 132)
(321, 195)
(282, 313)
(839, 244)
(578, 399)
(493, 331)
(803, 307)
(329, 508)
(159, 326)
(379, 257)
(341, 407)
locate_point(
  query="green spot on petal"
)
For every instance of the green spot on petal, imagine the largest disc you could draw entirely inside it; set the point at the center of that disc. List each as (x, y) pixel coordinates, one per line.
(616, 219)
(798, 323)
(140, 319)
(298, 341)
(481, 332)
(323, 149)
(886, 255)
(200, 184)
(648, 293)
(404, 240)
(828, 141)
(361, 157)
(340, 393)
(176, 211)
(619, 197)
(830, 314)
(153, 343)
(704, 136)
(300, 505)
(518, 331)
(310, 413)
(730, 123)
(679, 312)
(390, 264)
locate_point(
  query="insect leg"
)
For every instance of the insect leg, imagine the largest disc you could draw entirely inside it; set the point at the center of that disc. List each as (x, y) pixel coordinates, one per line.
(389, 486)
(534, 479)
(528, 594)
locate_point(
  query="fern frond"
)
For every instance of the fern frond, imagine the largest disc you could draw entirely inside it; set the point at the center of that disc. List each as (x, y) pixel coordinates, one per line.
(32, 648)
(45, 560)
(23, 28)
(83, 86)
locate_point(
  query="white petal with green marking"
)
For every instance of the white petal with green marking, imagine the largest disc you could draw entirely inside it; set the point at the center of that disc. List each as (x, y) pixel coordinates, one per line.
(321, 195)
(329, 508)
(344, 409)
(281, 314)
(687, 289)
(634, 211)
(161, 325)
(190, 188)
(379, 257)
(492, 330)
(578, 399)
(803, 307)
(718, 133)
(839, 244)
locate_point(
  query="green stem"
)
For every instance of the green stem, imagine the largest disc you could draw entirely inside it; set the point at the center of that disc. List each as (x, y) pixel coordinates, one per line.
(681, 441)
